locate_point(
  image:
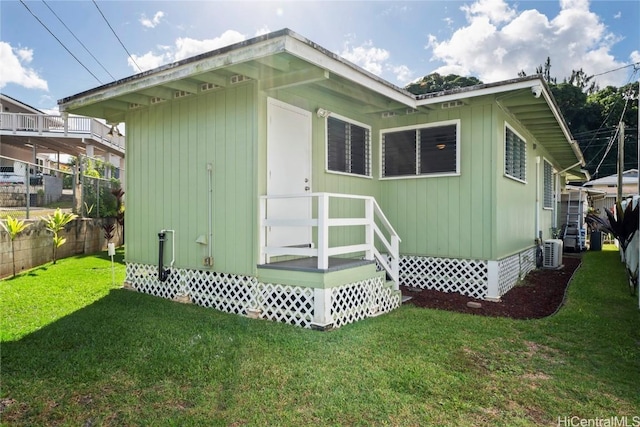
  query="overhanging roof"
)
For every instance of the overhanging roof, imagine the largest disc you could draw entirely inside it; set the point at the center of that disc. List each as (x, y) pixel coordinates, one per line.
(278, 60)
(284, 60)
(529, 101)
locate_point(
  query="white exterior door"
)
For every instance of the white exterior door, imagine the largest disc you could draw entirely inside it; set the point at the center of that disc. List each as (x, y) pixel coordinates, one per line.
(288, 171)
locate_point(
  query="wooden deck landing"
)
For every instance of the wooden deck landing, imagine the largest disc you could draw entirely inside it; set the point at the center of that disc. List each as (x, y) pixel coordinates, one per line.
(310, 264)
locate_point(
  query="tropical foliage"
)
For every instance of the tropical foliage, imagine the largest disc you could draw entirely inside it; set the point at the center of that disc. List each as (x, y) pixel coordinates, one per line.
(13, 227)
(55, 223)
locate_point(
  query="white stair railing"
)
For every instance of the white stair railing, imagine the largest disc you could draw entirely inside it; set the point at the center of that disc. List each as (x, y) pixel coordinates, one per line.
(383, 236)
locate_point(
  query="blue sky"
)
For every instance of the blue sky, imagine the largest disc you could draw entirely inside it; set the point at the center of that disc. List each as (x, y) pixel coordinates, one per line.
(399, 41)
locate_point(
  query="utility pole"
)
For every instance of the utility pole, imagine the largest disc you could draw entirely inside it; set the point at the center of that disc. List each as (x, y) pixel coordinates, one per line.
(620, 159)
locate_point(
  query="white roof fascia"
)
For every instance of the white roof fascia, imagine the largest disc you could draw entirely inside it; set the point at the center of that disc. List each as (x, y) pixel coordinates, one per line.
(560, 119)
(176, 71)
(471, 93)
(322, 58)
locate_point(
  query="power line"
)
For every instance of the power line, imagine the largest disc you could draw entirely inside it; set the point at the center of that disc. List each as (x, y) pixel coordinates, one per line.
(61, 44)
(626, 102)
(114, 33)
(635, 70)
(617, 69)
(82, 44)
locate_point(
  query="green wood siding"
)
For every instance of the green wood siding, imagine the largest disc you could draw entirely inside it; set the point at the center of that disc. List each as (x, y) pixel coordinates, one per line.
(516, 216)
(169, 146)
(479, 214)
(447, 216)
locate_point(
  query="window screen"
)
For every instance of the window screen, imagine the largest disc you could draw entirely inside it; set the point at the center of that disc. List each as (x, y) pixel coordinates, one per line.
(515, 161)
(548, 185)
(348, 147)
(421, 151)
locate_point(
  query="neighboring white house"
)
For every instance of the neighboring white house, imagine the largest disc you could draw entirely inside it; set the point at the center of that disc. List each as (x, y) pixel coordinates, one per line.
(33, 142)
(606, 189)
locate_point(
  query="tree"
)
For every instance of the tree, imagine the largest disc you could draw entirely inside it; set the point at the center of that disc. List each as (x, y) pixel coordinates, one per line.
(55, 223)
(543, 70)
(585, 82)
(13, 227)
(434, 82)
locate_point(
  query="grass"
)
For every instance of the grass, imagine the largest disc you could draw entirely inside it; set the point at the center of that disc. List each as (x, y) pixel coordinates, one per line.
(49, 292)
(125, 358)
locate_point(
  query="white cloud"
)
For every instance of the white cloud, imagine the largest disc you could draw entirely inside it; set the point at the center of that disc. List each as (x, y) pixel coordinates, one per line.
(635, 56)
(366, 56)
(496, 10)
(184, 47)
(403, 74)
(375, 60)
(147, 61)
(187, 47)
(15, 70)
(499, 41)
(153, 22)
(262, 31)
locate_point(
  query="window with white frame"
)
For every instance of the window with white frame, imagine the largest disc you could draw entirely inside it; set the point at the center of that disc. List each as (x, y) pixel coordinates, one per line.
(515, 155)
(348, 147)
(548, 185)
(421, 151)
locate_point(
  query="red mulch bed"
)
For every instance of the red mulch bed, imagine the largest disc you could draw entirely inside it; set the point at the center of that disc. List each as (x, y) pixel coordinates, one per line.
(540, 294)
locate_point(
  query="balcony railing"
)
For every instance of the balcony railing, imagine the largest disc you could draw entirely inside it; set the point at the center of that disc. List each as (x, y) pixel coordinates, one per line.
(74, 126)
(383, 236)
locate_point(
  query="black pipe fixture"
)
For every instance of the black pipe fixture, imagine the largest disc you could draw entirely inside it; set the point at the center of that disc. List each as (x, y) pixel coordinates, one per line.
(162, 273)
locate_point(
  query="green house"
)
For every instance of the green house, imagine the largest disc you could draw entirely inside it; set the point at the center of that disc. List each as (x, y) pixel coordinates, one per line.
(274, 179)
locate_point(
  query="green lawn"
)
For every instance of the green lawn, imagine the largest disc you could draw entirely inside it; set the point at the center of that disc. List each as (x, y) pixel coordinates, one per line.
(78, 352)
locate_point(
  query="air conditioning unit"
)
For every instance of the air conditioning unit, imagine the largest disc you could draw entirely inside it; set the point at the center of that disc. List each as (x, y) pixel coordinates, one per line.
(552, 253)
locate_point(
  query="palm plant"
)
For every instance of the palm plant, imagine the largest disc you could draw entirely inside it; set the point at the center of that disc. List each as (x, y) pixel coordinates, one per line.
(55, 223)
(13, 227)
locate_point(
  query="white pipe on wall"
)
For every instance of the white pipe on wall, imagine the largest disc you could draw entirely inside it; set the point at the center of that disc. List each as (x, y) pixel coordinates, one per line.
(538, 231)
(210, 234)
(173, 245)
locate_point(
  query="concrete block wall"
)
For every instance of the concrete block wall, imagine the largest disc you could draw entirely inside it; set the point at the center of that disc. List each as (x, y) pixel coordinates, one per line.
(34, 246)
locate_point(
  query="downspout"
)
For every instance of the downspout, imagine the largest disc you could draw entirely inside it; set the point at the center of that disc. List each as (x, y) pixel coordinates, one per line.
(556, 193)
(538, 237)
(538, 231)
(570, 167)
(210, 242)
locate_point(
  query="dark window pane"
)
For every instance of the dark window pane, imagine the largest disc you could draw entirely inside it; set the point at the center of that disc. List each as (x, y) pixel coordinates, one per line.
(515, 155)
(336, 145)
(359, 150)
(548, 185)
(437, 149)
(400, 153)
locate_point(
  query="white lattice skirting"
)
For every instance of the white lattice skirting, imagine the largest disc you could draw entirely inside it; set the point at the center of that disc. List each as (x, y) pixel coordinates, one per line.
(467, 277)
(514, 268)
(282, 303)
